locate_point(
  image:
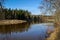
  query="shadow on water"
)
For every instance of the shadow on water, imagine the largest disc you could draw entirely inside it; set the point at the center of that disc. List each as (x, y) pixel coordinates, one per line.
(14, 28)
(25, 31)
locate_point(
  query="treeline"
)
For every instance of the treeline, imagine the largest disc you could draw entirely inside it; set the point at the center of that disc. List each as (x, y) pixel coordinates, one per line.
(18, 14)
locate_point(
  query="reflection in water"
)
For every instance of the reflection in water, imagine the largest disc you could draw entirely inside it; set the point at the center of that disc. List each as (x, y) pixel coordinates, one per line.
(14, 28)
(35, 22)
(25, 31)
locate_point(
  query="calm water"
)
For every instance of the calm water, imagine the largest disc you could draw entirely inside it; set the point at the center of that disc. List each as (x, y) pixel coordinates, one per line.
(26, 31)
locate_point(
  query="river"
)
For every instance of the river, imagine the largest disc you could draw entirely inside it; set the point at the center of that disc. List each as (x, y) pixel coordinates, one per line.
(26, 31)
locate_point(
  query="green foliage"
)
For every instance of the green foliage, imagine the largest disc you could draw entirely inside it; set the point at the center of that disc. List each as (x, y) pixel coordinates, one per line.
(16, 14)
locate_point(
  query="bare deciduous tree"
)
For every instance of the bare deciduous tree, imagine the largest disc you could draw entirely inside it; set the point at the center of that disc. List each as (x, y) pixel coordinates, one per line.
(50, 5)
(53, 6)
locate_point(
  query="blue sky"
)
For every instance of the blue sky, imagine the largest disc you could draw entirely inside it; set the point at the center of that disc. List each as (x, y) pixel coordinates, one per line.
(30, 5)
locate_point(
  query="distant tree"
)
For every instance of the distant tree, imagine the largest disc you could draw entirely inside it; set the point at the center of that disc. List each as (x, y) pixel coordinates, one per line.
(1, 3)
(2, 15)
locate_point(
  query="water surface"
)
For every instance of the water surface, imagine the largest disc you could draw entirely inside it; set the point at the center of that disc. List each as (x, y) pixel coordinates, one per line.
(25, 31)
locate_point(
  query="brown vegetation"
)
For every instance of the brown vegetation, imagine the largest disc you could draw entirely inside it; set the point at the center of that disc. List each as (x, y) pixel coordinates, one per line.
(55, 35)
(7, 22)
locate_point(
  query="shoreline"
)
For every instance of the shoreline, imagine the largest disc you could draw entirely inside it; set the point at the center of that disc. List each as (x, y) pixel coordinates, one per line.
(9, 22)
(56, 34)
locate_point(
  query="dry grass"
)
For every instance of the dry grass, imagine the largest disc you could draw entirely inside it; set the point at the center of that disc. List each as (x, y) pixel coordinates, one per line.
(7, 22)
(55, 35)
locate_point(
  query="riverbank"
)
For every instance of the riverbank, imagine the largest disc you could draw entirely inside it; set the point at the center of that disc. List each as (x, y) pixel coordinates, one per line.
(8, 22)
(55, 35)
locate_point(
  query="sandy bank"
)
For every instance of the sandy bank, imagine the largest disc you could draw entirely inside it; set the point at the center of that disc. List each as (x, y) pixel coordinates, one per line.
(8, 22)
